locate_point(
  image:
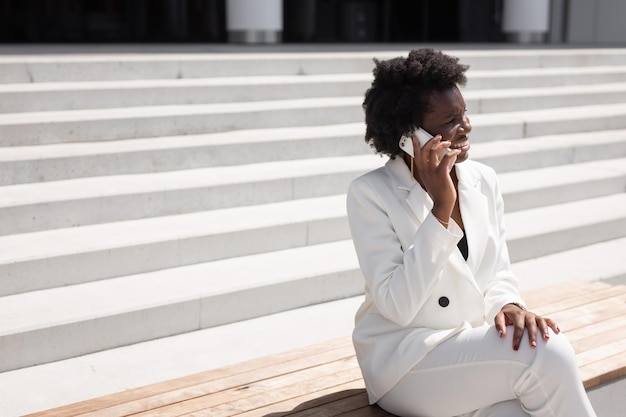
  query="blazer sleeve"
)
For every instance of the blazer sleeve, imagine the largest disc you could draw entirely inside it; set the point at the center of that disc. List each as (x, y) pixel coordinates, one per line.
(501, 288)
(398, 279)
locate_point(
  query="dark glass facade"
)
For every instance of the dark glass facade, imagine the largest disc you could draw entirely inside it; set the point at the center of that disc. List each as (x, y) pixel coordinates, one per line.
(319, 21)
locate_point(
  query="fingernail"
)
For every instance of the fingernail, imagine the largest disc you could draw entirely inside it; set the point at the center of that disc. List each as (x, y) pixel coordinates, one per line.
(533, 343)
(501, 333)
(516, 347)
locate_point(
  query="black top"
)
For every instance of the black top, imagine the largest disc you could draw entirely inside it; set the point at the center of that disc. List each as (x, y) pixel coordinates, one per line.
(462, 245)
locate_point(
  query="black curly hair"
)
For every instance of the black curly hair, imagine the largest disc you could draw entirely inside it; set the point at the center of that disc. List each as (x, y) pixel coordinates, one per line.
(399, 96)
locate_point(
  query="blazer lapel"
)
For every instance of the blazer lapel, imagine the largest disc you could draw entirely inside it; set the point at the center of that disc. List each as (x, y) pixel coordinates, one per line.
(472, 202)
(419, 205)
(418, 200)
(474, 211)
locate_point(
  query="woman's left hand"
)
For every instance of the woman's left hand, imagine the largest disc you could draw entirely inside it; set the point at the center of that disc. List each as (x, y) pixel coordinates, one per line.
(520, 319)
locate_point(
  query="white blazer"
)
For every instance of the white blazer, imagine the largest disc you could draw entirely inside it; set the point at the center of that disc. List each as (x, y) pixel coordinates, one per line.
(419, 290)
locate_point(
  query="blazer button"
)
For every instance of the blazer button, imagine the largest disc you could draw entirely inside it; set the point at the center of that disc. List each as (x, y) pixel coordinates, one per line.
(444, 301)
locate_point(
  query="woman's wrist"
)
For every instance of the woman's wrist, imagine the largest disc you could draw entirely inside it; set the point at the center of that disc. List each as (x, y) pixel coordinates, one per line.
(442, 215)
(518, 305)
(443, 222)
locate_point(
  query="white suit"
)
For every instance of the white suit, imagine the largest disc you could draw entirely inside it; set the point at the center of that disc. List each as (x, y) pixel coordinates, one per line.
(419, 290)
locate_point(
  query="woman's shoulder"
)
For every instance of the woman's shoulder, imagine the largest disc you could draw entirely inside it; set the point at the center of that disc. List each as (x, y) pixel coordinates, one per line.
(375, 178)
(377, 185)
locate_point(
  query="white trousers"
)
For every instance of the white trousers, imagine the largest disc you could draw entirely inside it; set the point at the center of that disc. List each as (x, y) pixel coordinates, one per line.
(477, 374)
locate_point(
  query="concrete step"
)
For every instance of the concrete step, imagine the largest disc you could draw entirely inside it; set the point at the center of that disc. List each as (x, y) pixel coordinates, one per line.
(543, 77)
(562, 184)
(79, 202)
(546, 230)
(602, 260)
(25, 164)
(534, 58)
(132, 66)
(544, 151)
(23, 129)
(33, 97)
(562, 120)
(554, 88)
(60, 257)
(58, 204)
(38, 128)
(80, 319)
(157, 360)
(108, 67)
(516, 99)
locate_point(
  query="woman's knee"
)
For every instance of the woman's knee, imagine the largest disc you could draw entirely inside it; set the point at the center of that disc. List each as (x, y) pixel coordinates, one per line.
(556, 354)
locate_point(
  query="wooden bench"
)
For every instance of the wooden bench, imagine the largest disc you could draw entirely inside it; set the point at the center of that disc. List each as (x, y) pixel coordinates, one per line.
(324, 380)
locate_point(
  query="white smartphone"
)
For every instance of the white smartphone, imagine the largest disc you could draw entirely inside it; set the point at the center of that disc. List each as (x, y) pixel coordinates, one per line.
(406, 143)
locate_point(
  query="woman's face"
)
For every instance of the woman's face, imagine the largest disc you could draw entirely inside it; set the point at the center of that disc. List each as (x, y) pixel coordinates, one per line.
(447, 118)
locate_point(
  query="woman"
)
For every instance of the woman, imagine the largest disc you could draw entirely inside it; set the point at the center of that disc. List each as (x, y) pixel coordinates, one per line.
(441, 330)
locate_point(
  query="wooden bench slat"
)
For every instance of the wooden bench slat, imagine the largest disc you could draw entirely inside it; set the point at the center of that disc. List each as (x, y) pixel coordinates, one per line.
(580, 300)
(603, 370)
(309, 400)
(223, 397)
(368, 411)
(269, 398)
(335, 408)
(159, 394)
(601, 352)
(324, 380)
(595, 329)
(217, 392)
(606, 338)
(541, 297)
(594, 312)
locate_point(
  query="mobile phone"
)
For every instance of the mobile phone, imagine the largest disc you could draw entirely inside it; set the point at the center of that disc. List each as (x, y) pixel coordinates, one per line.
(406, 143)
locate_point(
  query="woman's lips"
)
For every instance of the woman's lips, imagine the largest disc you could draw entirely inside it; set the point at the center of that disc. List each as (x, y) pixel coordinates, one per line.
(463, 145)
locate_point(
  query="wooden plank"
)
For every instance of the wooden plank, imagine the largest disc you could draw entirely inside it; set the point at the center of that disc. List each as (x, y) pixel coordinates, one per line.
(547, 295)
(310, 400)
(144, 398)
(264, 386)
(335, 408)
(560, 304)
(280, 394)
(238, 383)
(595, 329)
(604, 370)
(584, 315)
(601, 352)
(605, 338)
(367, 411)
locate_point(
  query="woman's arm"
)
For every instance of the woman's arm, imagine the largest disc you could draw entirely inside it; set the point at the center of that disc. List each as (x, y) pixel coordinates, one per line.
(399, 279)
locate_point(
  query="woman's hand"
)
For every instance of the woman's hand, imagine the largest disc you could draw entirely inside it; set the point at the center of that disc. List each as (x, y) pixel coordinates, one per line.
(434, 174)
(520, 319)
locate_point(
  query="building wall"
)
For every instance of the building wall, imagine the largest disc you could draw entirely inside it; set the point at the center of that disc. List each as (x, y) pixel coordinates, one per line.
(596, 21)
(610, 21)
(319, 21)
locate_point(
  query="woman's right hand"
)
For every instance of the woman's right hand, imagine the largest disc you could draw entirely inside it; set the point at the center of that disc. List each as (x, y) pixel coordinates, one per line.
(434, 174)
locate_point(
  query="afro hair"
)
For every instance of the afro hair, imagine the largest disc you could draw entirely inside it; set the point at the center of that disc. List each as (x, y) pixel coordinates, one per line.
(399, 96)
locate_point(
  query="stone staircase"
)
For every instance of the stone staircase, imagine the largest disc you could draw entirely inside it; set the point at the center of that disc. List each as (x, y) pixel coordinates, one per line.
(148, 196)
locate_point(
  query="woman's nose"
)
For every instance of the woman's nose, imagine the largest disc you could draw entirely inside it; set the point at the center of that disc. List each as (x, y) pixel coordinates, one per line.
(465, 125)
